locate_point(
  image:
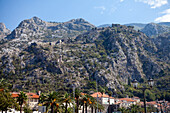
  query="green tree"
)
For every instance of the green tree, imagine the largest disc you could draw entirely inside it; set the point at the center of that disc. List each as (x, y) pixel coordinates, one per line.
(5, 84)
(77, 96)
(122, 109)
(66, 99)
(84, 103)
(135, 108)
(22, 97)
(51, 100)
(6, 101)
(92, 103)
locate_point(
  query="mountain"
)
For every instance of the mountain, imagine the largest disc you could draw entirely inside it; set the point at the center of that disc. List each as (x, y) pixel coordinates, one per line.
(35, 27)
(3, 31)
(36, 30)
(153, 29)
(104, 25)
(137, 26)
(164, 23)
(112, 56)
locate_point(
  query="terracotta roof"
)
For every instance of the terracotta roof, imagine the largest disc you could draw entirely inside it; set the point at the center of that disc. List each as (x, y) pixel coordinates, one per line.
(14, 95)
(112, 97)
(30, 95)
(1, 89)
(151, 103)
(136, 97)
(34, 96)
(99, 95)
(142, 103)
(127, 99)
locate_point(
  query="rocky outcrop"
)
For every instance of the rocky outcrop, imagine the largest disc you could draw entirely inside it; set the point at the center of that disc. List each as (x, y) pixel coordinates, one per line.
(37, 28)
(107, 55)
(130, 51)
(3, 31)
(153, 29)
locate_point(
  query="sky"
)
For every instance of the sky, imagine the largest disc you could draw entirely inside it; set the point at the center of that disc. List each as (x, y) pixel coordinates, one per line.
(97, 12)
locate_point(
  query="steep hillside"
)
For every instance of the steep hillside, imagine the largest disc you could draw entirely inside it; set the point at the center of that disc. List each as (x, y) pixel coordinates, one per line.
(110, 55)
(153, 29)
(36, 30)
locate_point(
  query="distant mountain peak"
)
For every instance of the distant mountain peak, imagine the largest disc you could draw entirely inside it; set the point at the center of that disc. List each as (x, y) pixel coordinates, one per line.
(37, 20)
(2, 26)
(35, 27)
(153, 29)
(3, 30)
(33, 20)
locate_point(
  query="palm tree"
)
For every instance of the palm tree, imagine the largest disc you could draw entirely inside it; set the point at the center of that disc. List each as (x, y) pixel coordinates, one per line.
(110, 94)
(66, 99)
(51, 100)
(77, 96)
(42, 98)
(6, 101)
(85, 102)
(92, 103)
(100, 107)
(22, 97)
(135, 108)
(122, 109)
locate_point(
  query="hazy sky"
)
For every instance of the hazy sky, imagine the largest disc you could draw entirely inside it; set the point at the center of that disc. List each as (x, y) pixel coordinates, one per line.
(97, 12)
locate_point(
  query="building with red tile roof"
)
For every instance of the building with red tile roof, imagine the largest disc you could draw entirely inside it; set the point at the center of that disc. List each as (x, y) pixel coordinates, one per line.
(32, 99)
(99, 94)
(127, 99)
(126, 102)
(103, 98)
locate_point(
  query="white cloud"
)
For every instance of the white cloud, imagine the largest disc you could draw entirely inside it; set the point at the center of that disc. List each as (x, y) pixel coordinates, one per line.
(154, 3)
(166, 11)
(165, 17)
(121, 0)
(102, 8)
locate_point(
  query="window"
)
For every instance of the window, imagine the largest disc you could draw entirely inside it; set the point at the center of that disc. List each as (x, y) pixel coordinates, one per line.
(31, 100)
(35, 100)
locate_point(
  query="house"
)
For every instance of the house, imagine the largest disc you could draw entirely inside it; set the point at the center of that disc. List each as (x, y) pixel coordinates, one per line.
(127, 102)
(152, 103)
(103, 98)
(137, 99)
(32, 99)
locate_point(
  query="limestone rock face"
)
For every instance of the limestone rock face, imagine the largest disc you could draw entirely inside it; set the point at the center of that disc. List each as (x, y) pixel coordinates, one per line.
(3, 31)
(153, 29)
(54, 55)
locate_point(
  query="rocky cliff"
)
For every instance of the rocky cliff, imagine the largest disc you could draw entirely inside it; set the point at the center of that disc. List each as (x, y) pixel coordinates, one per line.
(153, 29)
(3, 31)
(109, 55)
(37, 28)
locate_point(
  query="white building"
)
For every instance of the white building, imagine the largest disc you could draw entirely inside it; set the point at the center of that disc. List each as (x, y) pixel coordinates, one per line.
(32, 99)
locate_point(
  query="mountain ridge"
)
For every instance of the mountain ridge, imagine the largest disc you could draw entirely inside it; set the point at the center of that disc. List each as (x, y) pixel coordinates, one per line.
(37, 27)
(109, 55)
